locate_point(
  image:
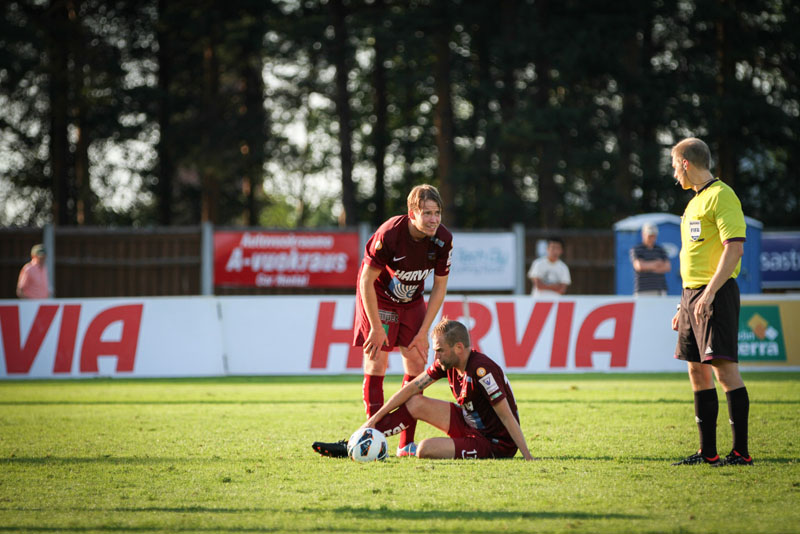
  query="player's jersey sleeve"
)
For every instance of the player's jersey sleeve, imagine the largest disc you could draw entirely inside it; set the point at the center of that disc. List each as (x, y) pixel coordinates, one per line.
(380, 246)
(491, 382)
(435, 372)
(444, 251)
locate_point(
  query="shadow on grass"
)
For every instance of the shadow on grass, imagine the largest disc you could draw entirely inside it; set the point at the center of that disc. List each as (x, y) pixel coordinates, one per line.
(412, 521)
(174, 402)
(133, 460)
(223, 402)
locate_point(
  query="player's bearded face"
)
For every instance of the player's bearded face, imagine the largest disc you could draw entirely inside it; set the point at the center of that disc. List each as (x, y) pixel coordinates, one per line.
(444, 354)
(427, 218)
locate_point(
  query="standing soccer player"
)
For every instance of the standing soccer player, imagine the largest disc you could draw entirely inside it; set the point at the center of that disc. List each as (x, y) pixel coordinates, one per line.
(707, 321)
(390, 309)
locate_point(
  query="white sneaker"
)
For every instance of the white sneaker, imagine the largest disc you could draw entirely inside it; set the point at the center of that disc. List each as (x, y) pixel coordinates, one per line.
(408, 450)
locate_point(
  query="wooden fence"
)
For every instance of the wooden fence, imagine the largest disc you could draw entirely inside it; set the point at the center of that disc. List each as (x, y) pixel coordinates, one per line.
(112, 262)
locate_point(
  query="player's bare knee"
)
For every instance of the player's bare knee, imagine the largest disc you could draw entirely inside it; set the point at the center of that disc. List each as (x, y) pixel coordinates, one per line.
(414, 404)
(424, 449)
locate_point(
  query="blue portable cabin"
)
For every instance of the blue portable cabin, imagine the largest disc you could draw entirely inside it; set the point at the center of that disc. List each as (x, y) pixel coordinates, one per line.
(628, 234)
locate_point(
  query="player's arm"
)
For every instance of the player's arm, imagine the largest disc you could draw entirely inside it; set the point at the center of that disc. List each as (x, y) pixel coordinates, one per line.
(435, 301)
(503, 411)
(369, 300)
(414, 387)
(731, 255)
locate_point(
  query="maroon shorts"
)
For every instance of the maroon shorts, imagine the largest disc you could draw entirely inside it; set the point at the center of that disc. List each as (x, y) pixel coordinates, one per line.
(470, 443)
(400, 321)
(714, 337)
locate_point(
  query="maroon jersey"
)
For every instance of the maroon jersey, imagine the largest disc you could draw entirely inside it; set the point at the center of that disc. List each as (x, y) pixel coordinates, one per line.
(483, 385)
(404, 262)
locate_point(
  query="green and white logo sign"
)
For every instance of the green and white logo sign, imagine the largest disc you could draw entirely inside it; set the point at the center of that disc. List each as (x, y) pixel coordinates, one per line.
(761, 334)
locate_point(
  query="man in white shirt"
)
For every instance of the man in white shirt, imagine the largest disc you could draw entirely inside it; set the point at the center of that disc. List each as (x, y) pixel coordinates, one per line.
(550, 275)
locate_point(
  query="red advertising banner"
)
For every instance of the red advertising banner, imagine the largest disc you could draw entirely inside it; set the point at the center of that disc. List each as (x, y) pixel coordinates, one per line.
(286, 259)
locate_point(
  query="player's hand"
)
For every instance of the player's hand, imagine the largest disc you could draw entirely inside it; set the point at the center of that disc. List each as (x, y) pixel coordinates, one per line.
(702, 307)
(376, 340)
(419, 347)
(675, 321)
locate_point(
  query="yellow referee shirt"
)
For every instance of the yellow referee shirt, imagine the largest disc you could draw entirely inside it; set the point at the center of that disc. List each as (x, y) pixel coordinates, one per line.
(713, 217)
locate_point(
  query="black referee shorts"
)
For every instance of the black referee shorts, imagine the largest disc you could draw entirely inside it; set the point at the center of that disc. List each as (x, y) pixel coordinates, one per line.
(714, 337)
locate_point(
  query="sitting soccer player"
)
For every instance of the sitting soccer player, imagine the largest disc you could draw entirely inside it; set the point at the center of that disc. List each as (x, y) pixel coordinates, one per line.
(483, 423)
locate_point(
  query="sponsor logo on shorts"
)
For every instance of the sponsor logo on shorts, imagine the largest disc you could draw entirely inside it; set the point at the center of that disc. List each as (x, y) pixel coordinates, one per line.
(388, 316)
(761, 334)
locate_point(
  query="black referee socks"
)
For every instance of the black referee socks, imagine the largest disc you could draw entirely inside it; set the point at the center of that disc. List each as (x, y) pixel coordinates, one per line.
(738, 412)
(706, 409)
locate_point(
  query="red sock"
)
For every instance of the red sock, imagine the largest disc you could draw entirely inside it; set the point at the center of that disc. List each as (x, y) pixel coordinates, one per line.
(372, 393)
(396, 421)
(407, 435)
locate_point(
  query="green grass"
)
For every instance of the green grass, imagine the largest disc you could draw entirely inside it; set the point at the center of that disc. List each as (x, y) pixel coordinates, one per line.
(234, 455)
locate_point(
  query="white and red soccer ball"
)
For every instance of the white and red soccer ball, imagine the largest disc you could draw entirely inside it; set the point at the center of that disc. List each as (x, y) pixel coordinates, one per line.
(367, 445)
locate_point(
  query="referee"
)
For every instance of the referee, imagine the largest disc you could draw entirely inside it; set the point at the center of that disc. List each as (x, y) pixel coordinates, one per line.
(707, 321)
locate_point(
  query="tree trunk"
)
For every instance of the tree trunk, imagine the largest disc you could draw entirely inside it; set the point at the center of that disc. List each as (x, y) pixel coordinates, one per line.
(166, 163)
(508, 107)
(546, 150)
(379, 134)
(58, 91)
(339, 55)
(726, 163)
(443, 118)
(209, 172)
(255, 122)
(84, 200)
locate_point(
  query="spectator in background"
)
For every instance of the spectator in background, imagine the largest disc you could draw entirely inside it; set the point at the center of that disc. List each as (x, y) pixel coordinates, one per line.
(550, 275)
(650, 263)
(33, 282)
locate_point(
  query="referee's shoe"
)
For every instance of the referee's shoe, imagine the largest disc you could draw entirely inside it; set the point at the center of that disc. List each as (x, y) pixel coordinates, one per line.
(734, 458)
(698, 458)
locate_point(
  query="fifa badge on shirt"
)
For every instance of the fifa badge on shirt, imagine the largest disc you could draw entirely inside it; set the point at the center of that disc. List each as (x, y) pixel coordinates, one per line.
(694, 230)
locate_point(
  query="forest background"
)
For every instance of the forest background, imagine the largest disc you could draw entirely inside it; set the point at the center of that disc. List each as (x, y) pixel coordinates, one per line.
(555, 114)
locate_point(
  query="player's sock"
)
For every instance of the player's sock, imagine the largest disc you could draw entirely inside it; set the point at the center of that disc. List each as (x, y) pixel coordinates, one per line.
(407, 436)
(738, 412)
(706, 409)
(372, 393)
(396, 421)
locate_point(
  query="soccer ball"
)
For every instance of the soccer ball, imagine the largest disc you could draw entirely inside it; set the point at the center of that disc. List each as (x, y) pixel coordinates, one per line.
(367, 445)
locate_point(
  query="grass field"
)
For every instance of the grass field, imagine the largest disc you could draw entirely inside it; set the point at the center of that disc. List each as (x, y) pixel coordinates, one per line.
(234, 455)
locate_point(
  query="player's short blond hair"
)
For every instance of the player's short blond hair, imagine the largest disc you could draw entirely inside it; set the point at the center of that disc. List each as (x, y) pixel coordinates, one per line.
(452, 332)
(694, 151)
(421, 194)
